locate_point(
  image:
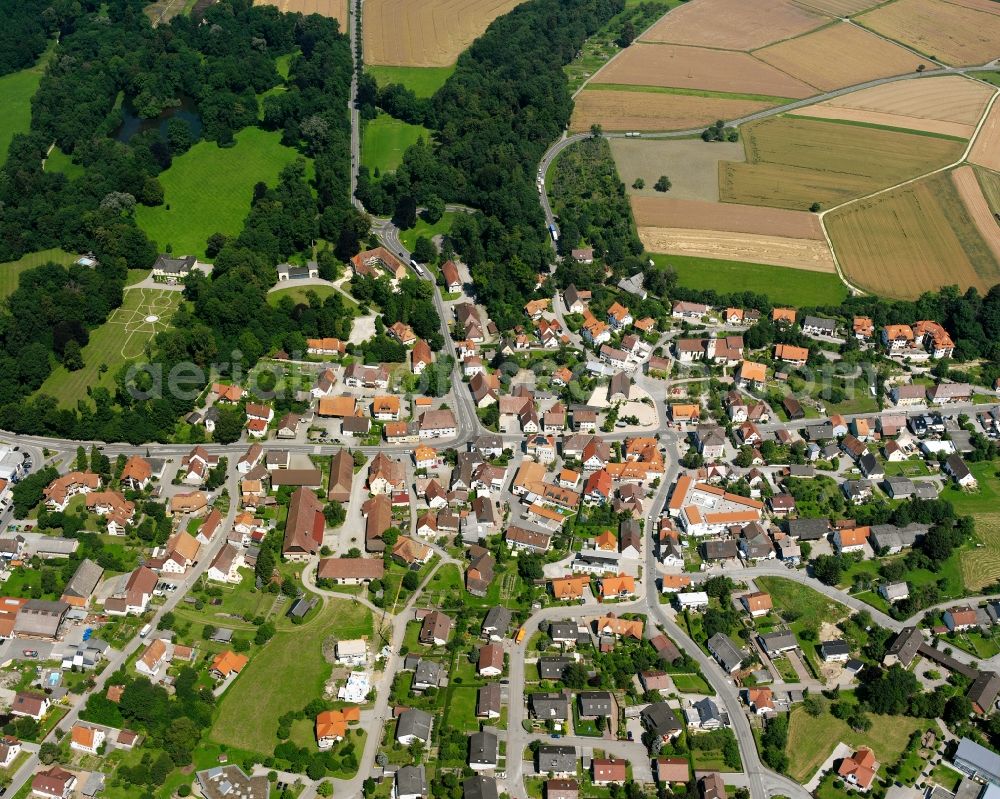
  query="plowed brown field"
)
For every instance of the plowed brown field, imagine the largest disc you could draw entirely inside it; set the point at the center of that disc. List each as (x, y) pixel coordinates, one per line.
(807, 254)
(950, 105)
(668, 212)
(911, 240)
(426, 33)
(986, 149)
(337, 9)
(840, 55)
(968, 188)
(628, 110)
(699, 68)
(734, 24)
(953, 33)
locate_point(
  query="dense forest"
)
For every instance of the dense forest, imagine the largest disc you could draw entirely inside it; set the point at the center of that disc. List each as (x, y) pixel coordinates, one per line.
(506, 102)
(220, 64)
(591, 203)
(27, 27)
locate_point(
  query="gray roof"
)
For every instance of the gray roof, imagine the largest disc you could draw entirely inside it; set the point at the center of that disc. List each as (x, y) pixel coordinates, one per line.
(905, 645)
(489, 699)
(552, 668)
(596, 703)
(174, 266)
(984, 689)
(551, 705)
(819, 322)
(778, 640)
(717, 549)
(411, 780)
(985, 762)
(479, 788)
(726, 651)
(414, 722)
(484, 748)
(84, 580)
(498, 620)
(833, 648)
(661, 719)
(707, 709)
(563, 630)
(556, 758)
(428, 672)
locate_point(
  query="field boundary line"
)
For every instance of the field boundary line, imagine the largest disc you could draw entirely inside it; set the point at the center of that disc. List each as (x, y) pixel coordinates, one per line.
(948, 167)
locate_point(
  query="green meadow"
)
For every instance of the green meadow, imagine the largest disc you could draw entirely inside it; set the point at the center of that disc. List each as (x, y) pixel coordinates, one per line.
(208, 190)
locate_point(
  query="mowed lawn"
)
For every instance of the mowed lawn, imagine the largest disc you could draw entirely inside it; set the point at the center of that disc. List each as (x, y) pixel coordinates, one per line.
(386, 139)
(783, 285)
(10, 271)
(209, 188)
(981, 564)
(811, 739)
(119, 340)
(286, 674)
(422, 81)
(300, 294)
(422, 228)
(17, 89)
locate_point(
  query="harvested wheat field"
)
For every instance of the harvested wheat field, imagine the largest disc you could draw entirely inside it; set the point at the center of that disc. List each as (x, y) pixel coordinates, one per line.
(840, 55)
(336, 9)
(839, 8)
(699, 68)
(807, 254)
(670, 212)
(910, 240)
(637, 110)
(426, 33)
(986, 148)
(734, 24)
(951, 33)
(793, 162)
(692, 166)
(982, 217)
(979, 5)
(949, 105)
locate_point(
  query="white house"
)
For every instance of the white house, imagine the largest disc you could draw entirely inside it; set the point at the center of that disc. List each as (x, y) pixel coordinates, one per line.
(352, 652)
(692, 600)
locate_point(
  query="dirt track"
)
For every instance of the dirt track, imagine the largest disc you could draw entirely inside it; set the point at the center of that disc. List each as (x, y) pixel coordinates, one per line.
(812, 256)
